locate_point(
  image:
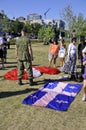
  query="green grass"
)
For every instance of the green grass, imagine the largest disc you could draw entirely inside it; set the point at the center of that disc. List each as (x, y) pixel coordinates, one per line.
(16, 116)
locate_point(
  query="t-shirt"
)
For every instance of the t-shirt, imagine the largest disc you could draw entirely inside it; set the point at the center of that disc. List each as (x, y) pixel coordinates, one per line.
(54, 49)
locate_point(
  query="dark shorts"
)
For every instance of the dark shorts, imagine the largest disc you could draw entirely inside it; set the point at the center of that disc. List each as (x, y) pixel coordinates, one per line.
(1, 53)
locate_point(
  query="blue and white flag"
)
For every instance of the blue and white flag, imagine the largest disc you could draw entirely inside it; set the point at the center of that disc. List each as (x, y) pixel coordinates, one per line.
(54, 95)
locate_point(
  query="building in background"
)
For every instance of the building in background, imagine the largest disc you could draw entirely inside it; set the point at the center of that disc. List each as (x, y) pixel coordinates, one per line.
(36, 18)
(21, 19)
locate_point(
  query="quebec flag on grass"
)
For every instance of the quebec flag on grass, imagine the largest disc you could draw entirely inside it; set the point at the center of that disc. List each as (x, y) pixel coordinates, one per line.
(54, 95)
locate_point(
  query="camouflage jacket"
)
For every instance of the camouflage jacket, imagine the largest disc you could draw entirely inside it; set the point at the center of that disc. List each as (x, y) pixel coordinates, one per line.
(22, 44)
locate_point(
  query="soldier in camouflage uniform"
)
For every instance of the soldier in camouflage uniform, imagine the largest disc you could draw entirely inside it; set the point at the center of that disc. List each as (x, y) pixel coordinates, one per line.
(24, 57)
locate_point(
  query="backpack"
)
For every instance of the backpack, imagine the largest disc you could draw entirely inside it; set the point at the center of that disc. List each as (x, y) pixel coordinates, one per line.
(78, 77)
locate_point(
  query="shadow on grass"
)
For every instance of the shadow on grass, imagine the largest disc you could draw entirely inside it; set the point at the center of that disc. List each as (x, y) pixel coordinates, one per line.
(9, 62)
(11, 66)
(15, 93)
(58, 80)
(41, 82)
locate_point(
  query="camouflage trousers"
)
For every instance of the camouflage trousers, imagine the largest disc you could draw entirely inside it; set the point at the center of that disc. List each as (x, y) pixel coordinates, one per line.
(25, 65)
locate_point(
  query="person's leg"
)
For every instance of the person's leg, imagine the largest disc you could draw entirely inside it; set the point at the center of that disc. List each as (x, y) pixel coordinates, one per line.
(20, 72)
(28, 66)
(2, 58)
(5, 54)
(61, 61)
(8, 45)
(73, 65)
(50, 62)
(50, 57)
(82, 66)
(54, 62)
(84, 89)
(2, 62)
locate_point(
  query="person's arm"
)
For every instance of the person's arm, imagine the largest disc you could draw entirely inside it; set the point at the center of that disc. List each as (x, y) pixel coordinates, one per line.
(50, 48)
(69, 48)
(30, 51)
(16, 52)
(84, 63)
(1, 41)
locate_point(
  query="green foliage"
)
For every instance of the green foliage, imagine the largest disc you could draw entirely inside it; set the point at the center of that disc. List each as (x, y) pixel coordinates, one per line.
(16, 26)
(32, 29)
(5, 23)
(68, 15)
(41, 33)
(12, 41)
(73, 22)
(36, 41)
(47, 32)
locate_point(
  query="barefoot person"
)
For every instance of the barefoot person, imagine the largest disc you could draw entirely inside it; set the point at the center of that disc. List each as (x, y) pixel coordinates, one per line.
(84, 81)
(53, 53)
(62, 52)
(2, 52)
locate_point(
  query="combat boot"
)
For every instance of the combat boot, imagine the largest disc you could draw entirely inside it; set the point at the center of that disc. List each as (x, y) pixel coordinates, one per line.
(31, 82)
(20, 82)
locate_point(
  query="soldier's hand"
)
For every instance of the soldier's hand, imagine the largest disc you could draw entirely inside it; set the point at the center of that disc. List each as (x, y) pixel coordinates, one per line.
(16, 57)
(32, 58)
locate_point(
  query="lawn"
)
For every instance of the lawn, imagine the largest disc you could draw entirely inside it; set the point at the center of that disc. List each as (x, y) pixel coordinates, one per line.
(16, 116)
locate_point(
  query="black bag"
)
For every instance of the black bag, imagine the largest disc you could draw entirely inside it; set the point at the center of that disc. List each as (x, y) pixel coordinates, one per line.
(78, 77)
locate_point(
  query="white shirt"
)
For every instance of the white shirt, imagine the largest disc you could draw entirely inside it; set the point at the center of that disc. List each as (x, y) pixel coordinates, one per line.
(72, 49)
(1, 43)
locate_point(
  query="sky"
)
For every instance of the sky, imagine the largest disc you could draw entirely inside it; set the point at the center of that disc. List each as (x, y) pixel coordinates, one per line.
(17, 8)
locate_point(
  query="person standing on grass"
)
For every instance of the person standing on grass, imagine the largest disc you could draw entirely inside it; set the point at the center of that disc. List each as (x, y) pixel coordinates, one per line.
(84, 81)
(53, 52)
(2, 52)
(24, 57)
(5, 47)
(72, 56)
(62, 52)
(81, 46)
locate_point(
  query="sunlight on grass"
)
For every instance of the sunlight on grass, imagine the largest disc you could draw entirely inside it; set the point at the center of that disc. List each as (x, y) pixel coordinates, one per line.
(16, 116)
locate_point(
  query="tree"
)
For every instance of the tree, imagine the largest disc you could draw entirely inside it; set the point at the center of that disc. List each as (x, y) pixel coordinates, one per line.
(49, 32)
(76, 26)
(79, 24)
(68, 16)
(4, 22)
(41, 33)
(46, 32)
(16, 26)
(35, 28)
